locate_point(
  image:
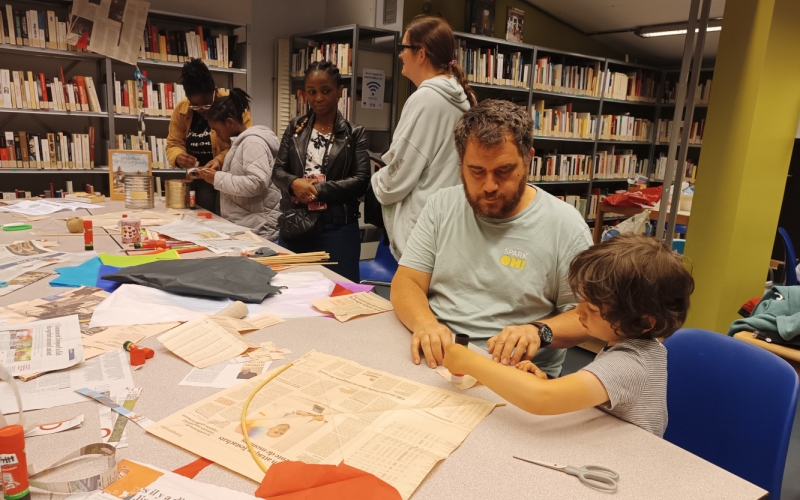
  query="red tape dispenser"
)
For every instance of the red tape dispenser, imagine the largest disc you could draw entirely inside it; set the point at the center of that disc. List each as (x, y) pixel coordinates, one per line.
(138, 355)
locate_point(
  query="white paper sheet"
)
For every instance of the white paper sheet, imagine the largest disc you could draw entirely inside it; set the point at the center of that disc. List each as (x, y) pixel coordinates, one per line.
(107, 373)
(191, 230)
(135, 304)
(227, 374)
(45, 207)
(45, 345)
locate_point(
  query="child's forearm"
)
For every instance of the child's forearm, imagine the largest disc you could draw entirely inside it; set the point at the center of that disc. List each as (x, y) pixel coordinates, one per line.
(519, 388)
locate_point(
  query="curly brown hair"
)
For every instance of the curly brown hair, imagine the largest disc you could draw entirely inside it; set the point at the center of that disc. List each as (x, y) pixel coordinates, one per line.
(631, 279)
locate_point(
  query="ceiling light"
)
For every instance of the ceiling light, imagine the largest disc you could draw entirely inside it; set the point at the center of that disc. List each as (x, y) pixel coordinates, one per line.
(675, 29)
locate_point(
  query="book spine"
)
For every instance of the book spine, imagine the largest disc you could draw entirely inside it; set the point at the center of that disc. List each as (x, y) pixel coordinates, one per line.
(84, 102)
(12, 33)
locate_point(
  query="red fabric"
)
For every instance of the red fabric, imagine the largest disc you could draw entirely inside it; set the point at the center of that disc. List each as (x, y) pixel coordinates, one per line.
(300, 481)
(83, 43)
(640, 198)
(194, 468)
(340, 290)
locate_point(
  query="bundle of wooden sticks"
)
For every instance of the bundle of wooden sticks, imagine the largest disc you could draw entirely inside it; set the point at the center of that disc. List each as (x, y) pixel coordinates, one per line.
(297, 259)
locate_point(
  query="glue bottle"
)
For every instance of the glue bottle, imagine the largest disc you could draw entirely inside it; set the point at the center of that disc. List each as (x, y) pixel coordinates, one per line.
(88, 235)
(13, 463)
(461, 339)
(192, 204)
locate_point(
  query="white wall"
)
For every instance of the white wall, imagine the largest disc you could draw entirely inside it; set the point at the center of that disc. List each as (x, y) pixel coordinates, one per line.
(397, 26)
(271, 20)
(341, 12)
(229, 10)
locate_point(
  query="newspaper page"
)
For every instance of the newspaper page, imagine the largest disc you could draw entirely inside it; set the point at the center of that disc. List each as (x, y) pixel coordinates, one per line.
(226, 374)
(79, 301)
(113, 27)
(19, 258)
(347, 307)
(325, 409)
(109, 372)
(24, 280)
(202, 342)
(52, 344)
(193, 230)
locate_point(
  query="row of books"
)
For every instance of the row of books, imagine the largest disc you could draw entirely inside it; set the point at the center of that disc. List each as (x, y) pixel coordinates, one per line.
(636, 86)
(28, 91)
(569, 79)
(607, 164)
(580, 202)
(339, 54)
(180, 46)
(660, 168)
(489, 66)
(664, 131)
(298, 104)
(157, 99)
(701, 95)
(561, 121)
(61, 150)
(156, 145)
(624, 128)
(33, 28)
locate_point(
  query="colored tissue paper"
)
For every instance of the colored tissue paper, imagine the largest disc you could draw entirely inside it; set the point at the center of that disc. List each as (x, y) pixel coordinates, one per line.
(300, 481)
(77, 276)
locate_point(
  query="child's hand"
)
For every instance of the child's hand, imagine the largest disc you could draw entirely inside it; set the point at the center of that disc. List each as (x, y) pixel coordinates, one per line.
(527, 366)
(457, 359)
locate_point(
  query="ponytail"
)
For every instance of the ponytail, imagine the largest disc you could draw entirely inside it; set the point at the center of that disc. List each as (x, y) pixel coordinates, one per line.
(461, 77)
(436, 38)
(232, 106)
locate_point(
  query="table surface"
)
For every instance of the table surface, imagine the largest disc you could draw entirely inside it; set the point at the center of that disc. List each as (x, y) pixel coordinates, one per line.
(482, 467)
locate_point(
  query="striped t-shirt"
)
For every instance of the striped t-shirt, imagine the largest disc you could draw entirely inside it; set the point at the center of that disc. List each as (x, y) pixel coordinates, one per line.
(634, 373)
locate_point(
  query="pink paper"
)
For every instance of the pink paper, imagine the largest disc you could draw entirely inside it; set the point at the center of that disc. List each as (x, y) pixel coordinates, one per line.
(355, 287)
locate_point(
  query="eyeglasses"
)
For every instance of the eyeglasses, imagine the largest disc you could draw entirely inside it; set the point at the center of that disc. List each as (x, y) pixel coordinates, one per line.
(403, 47)
(200, 108)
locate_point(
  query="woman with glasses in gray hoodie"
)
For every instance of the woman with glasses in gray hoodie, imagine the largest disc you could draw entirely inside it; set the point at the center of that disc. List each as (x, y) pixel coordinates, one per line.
(422, 157)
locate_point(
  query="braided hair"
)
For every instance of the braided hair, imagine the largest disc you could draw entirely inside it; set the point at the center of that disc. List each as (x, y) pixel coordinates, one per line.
(329, 69)
(232, 105)
(196, 78)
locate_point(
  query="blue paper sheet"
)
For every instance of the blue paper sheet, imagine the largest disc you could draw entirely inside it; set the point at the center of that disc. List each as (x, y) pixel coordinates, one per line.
(108, 286)
(82, 275)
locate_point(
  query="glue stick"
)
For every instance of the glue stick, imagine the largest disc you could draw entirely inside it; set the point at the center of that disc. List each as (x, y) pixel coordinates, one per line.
(88, 235)
(192, 204)
(461, 339)
(13, 463)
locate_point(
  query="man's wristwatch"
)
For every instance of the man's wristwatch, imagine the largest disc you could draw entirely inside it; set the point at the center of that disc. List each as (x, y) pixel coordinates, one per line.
(545, 333)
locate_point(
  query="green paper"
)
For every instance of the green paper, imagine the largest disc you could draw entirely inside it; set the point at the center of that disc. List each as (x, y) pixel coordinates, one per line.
(135, 260)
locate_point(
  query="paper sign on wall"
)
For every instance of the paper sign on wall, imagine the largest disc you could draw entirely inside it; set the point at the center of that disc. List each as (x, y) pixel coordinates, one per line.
(373, 87)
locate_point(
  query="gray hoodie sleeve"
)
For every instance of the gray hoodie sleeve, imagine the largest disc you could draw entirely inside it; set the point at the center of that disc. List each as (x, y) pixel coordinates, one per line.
(404, 166)
(257, 162)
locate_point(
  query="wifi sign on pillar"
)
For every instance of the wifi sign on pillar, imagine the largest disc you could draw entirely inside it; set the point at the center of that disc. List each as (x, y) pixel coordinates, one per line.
(373, 88)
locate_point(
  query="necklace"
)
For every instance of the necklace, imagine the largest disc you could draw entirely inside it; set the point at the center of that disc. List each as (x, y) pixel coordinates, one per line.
(323, 128)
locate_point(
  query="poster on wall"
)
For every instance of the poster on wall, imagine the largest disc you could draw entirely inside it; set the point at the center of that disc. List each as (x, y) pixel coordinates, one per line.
(373, 87)
(480, 17)
(514, 20)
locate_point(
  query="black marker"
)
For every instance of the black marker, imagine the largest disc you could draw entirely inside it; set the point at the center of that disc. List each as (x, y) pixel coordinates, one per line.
(461, 339)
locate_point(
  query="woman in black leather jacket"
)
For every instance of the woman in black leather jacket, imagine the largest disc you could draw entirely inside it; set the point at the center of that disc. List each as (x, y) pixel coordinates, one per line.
(322, 170)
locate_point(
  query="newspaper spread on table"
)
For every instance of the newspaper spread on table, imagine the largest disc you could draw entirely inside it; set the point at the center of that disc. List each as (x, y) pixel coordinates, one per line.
(113, 27)
(19, 258)
(52, 344)
(45, 207)
(109, 372)
(326, 409)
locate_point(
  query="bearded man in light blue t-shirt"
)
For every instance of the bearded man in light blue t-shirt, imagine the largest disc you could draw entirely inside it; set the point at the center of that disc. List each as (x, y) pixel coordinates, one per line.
(490, 259)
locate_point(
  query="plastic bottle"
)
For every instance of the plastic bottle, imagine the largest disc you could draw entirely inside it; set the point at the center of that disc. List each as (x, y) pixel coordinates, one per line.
(13, 463)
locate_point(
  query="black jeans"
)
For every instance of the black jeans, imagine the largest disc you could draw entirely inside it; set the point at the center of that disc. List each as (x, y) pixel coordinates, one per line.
(205, 195)
(341, 241)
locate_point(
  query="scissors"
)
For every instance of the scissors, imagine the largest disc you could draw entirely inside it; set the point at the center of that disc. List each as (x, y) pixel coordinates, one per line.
(593, 476)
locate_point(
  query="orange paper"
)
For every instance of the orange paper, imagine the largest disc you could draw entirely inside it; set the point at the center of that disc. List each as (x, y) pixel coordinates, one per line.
(300, 481)
(340, 290)
(132, 478)
(194, 468)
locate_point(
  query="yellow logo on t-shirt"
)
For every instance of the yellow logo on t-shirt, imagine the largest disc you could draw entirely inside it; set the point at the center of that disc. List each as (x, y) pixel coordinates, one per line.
(514, 258)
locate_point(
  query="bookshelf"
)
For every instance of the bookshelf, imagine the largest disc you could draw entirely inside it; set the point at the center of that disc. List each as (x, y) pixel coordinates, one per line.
(354, 48)
(228, 72)
(565, 93)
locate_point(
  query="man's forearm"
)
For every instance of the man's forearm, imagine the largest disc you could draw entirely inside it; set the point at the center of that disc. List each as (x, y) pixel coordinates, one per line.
(410, 303)
(567, 330)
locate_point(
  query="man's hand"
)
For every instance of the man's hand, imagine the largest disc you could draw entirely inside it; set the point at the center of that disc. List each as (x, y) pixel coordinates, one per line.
(214, 165)
(186, 161)
(207, 174)
(521, 341)
(433, 338)
(529, 367)
(457, 359)
(304, 190)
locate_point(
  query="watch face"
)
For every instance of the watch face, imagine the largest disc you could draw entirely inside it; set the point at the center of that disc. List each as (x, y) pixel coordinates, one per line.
(546, 333)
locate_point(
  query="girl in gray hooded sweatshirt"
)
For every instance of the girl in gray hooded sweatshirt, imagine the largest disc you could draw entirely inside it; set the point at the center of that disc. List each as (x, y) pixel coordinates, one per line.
(247, 195)
(422, 158)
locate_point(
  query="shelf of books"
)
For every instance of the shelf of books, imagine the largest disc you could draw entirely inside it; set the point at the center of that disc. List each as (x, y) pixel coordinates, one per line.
(354, 49)
(665, 125)
(62, 108)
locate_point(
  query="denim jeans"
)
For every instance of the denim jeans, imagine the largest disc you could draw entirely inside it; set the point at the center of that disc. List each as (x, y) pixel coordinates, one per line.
(341, 241)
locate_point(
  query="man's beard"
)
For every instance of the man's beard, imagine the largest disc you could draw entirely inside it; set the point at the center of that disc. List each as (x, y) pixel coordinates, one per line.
(507, 204)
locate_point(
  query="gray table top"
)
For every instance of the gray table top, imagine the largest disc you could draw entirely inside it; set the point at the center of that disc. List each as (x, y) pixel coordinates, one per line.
(482, 467)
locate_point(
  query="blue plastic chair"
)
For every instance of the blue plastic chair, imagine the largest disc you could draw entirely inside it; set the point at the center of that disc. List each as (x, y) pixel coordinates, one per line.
(789, 258)
(731, 403)
(678, 245)
(380, 270)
